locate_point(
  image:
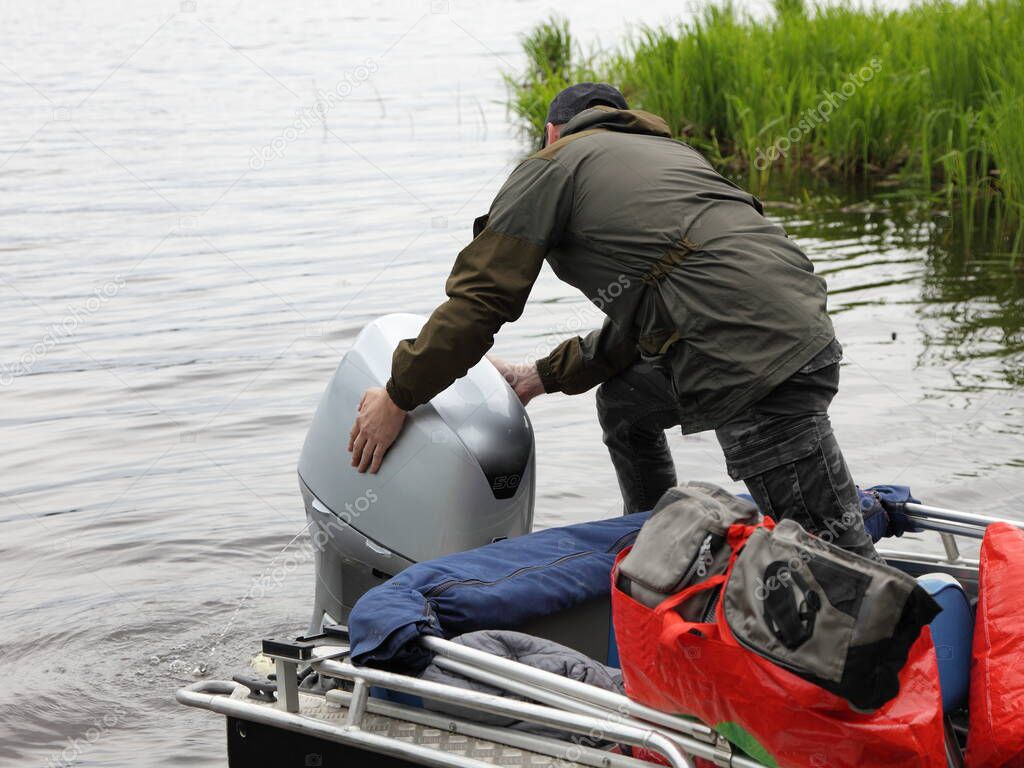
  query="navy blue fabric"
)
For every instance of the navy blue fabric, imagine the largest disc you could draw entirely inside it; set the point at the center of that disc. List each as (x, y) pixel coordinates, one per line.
(407, 699)
(498, 586)
(876, 519)
(893, 499)
(613, 648)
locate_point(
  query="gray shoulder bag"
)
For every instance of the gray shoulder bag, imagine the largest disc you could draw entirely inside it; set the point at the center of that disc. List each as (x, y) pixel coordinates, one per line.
(684, 543)
(835, 619)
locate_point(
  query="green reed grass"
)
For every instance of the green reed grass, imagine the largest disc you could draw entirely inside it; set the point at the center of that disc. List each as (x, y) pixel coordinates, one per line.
(934, 94)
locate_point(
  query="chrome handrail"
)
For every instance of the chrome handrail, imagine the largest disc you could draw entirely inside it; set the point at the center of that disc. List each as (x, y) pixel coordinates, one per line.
(571, 690)
(918, 511)
(531, 742)
(967, 530)
(571, 704)
(648, 738)
(210, 694)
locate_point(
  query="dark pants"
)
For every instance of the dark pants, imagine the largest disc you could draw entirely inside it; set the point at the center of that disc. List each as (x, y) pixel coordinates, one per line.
(782, 447)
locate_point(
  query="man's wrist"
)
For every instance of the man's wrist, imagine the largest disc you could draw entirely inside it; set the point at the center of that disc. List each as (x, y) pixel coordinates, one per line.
(546, 376)
(395, 397)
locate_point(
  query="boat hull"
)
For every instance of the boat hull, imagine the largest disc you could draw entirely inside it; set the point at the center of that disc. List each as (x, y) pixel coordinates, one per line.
(252, 744)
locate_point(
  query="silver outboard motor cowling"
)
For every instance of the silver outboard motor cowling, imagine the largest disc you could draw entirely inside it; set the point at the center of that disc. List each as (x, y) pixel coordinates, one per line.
(460, 475)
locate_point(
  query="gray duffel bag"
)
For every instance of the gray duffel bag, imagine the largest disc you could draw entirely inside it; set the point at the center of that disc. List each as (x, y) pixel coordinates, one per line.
(831, 617)
(682, 544)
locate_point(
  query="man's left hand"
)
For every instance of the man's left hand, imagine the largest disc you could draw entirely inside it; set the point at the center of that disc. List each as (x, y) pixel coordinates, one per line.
(377, 426)
(524, 379)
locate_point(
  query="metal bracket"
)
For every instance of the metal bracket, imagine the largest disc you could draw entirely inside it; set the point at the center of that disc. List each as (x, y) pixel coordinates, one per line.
(357, 706)
(286, 655)
(287, 685)
(951, 547)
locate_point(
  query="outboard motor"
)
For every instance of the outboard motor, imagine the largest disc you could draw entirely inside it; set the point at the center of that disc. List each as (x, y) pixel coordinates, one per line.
(460, 475)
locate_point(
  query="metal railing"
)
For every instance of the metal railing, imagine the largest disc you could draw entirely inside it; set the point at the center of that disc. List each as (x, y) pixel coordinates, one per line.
(215, 696)
(550, 717)
(952, 521)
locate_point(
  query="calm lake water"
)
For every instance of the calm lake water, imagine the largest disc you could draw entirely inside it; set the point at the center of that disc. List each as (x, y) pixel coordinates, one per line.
(191, 237)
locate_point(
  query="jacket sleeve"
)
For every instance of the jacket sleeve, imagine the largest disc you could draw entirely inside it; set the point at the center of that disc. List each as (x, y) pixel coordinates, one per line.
(578, 364)
(488, 285)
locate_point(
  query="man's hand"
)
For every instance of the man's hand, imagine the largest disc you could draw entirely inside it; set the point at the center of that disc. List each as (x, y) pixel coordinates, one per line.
(523, 379)
(378, 423)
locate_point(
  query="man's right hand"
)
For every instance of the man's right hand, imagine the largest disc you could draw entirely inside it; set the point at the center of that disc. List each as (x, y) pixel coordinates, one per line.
(523, 378)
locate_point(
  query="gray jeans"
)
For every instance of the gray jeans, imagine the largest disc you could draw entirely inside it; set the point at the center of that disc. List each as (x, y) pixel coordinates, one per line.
(782, 447)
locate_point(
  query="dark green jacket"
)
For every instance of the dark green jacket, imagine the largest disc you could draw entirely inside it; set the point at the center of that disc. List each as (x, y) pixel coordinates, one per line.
(682, 262)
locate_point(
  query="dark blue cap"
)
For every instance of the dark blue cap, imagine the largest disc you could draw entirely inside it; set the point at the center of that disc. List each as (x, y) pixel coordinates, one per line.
(576, 98)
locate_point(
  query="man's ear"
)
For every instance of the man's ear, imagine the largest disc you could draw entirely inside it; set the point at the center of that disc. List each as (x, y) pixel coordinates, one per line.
(552, 133)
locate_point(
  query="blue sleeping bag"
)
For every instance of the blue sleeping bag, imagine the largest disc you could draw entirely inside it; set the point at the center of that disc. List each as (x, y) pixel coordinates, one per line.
(509, 583)
(498, 586)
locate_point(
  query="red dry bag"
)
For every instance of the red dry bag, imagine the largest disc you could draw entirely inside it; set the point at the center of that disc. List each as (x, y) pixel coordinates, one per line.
(996, 733)
(700, 670)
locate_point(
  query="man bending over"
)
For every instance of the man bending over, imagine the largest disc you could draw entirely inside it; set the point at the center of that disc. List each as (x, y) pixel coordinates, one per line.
(714, 317)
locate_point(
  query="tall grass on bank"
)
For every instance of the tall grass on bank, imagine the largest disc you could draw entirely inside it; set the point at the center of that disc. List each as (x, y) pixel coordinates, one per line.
(554, 62)
(932, 95)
